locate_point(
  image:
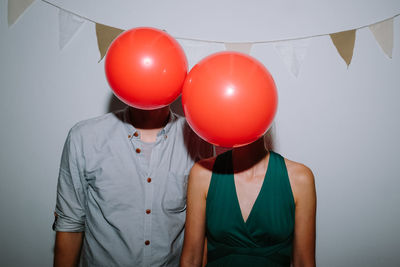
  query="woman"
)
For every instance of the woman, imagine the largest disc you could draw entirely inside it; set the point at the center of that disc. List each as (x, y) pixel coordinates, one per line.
(255, 208)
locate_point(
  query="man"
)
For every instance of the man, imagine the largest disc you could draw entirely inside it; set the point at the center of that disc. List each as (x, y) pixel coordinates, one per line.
(121, 196)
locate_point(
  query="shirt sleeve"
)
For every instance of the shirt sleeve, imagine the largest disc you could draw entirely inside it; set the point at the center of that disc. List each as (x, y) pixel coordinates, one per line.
(70, 203)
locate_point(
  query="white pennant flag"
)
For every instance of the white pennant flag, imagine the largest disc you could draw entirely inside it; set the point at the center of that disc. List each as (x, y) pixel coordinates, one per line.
(293, 53)
(239, 47)
(383, 33)
(16, 8)
(69, 24)
(196, 50)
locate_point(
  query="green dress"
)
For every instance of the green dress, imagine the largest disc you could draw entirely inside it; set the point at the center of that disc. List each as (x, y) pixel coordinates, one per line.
(265, 239)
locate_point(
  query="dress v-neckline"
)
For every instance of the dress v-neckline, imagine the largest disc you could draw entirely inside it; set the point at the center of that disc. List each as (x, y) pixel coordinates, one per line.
(259, 193)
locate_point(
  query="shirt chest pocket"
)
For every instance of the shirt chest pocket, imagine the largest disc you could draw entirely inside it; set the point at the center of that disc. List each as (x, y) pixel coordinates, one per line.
(174, 198)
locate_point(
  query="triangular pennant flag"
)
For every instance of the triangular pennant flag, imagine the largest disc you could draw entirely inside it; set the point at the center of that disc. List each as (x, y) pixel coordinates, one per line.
(344, 43)
(105, 36)
(293, 53)
(239, 47)
(16, 8)
(383, 32)
(69, 24)
(196, 51)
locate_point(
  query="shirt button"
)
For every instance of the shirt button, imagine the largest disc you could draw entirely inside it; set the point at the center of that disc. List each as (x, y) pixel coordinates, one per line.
(138, 150)
(149, 180)
(147, 242)
(148, 211)
(136, 134)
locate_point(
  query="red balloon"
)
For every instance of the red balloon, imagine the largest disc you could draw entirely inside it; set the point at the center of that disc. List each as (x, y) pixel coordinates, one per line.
(229, 99)
(146, 68)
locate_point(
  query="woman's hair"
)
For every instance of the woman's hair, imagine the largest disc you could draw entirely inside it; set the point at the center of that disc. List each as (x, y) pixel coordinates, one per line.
(269, 138)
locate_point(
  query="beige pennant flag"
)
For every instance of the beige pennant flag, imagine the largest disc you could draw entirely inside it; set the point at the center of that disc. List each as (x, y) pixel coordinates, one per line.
(16, 8)
(239, 47)
(383, 33)
(344, 43)
(105, 36)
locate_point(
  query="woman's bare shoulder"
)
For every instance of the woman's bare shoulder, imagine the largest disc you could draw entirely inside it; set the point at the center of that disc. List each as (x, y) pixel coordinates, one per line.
(301, 178)
(203, 167)
(200, 174)
(299, 171)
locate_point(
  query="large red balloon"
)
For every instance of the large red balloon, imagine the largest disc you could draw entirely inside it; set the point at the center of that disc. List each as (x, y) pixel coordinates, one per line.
(229, 99)
(146, 68)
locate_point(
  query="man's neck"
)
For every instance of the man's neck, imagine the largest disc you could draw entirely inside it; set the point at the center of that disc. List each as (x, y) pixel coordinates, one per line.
(149, 122)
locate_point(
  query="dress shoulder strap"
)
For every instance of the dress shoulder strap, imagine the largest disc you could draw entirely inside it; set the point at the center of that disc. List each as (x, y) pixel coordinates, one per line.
(222, 168)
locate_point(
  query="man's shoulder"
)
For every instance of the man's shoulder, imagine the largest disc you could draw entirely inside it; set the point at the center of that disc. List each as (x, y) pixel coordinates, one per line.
(98, 125)
(180, 125)
(178, 119)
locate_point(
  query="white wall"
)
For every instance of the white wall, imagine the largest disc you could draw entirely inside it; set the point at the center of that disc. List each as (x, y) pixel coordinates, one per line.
(341, 122)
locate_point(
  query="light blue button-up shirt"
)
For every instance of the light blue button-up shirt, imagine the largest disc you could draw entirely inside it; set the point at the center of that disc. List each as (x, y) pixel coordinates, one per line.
(132, 210)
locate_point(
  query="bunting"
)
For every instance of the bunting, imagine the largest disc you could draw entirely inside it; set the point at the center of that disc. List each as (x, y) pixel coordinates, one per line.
(16, 8)
(293, 53)
(105, 35)
(239, 47)
(344, 43)
(195, 51)
(69, 24)
(383, 33)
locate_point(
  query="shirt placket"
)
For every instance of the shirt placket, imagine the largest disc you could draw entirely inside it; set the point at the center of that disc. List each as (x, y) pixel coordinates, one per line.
(146, 174)
(150, 183)
(148, 213)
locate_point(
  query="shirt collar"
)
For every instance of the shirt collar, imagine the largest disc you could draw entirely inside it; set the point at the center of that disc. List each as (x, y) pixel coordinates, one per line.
(132, 130)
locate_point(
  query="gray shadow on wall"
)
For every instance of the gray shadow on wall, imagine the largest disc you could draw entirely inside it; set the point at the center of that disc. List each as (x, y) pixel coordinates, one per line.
(115, 104)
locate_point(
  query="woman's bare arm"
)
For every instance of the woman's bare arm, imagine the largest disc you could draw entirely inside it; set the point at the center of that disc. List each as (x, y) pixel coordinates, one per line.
(193, 245)
(302, 181)
(205, 253)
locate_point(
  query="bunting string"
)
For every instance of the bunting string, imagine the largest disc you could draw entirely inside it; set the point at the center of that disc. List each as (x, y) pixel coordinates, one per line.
(291, 50)
(221, 42)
